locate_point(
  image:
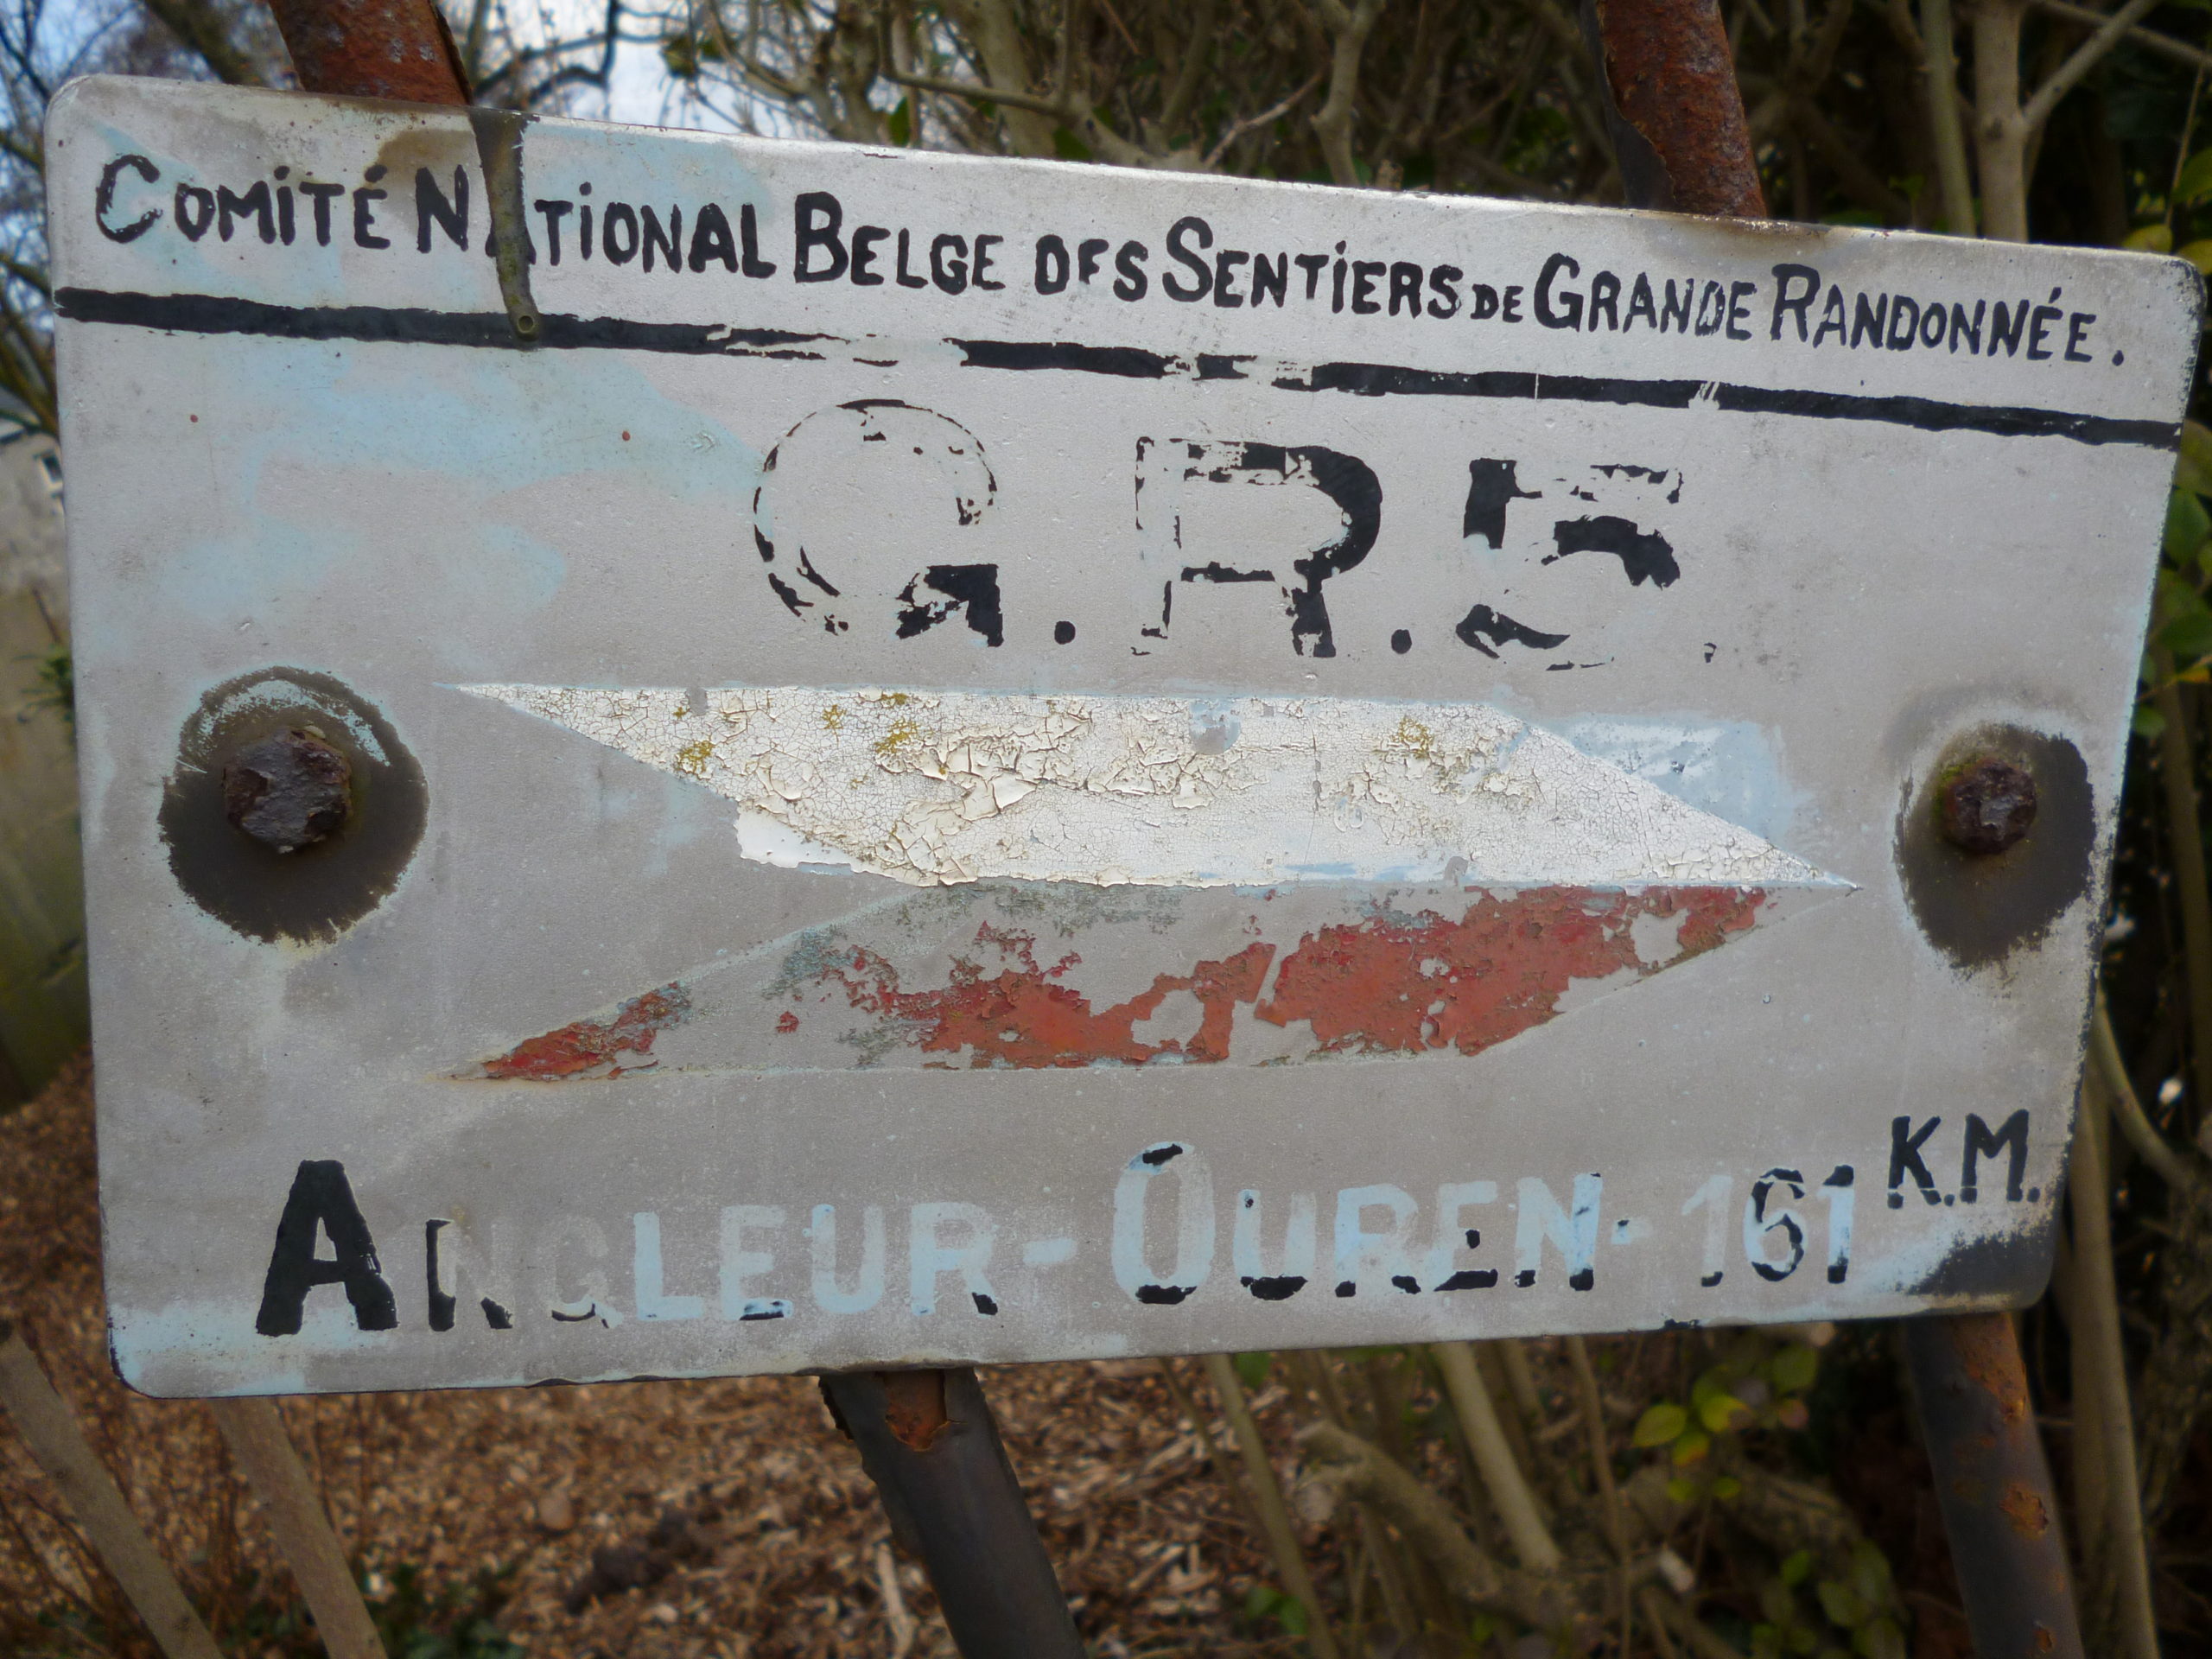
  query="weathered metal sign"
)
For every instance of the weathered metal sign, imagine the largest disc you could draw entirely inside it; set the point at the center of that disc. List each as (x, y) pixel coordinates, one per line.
(879, 756)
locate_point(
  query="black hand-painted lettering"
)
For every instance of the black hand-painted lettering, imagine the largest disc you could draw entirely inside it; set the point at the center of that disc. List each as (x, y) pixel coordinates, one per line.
(432, 207)
(907, 277)
(1312, 265)
(950, 274)
(1363, 273)
(619, 239)
(970, 588)
(1905, 1143)
(864, 240)
(668, 243)
(1130, 281)
(1644, 555)
(1443, 282)
(816, 216)
(1509, 308)
(104, 199)
(1404, 287)
(1787, 279)
(365, 211)
(1087, 255)
(231, 206)
(2077, 325)
(1178, 249)
(1483, 624)
(1604, 301)
(1052, 265)
(442, 1301)
(1225, 277)
(710, 240)
(1569, 313)
(321, 1200)
(982, 263)
(553, 212)
(1270, 278)
(2011, 1138)
(1490, 486)
(321, 195)
(748, 236)
(1792, 1229)
(2038, 326)
(1738, 311)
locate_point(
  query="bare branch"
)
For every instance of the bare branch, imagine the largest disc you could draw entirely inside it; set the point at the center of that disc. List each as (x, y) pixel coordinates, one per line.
(2085, 58)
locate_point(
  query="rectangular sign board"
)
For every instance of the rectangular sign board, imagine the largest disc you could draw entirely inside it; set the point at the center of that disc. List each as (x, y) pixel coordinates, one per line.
(875, 757)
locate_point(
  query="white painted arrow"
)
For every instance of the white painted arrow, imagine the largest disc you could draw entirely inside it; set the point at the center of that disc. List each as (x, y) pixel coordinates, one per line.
(932, 788)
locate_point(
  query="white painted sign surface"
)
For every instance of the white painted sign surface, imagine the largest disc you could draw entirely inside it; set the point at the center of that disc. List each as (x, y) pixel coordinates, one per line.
(981, 760)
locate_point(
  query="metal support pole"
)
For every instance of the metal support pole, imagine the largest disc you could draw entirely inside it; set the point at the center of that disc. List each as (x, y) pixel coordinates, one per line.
(1998, 1507)
(926, 1438)
(398, 49)
(1677, 119)
(1673, 107)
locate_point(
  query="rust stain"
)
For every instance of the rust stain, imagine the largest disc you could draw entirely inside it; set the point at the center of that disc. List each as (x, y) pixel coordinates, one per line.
(913, 1406)
(596, 1048)
(1989, 1355)
(398, 49)
(1409, 984)
(1672, 81)
(2029, 1514)
(1022, 1016)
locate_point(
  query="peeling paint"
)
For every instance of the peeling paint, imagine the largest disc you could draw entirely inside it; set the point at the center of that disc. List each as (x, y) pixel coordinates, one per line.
(1407, 984)
(947, 787)
(931, 981)
(1024, 1017)
(607, 1047)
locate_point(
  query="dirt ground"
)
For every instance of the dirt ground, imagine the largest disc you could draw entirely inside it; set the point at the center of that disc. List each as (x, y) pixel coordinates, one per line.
(478, 1513)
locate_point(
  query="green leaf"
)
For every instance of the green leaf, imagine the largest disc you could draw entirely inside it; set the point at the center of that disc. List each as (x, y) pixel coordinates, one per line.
(2194, 470)
(1722, 1412)
(1659, 1425)
(1691, 1447)
(1880, 1639)
(2147, 723)
(1290, 1613)
(2188, 526)
(1794, 1369)
(2188, 631)
(1260, 1600)
(2194, 179)
(1682, 1489)
(2198, 253)
(1727, 1487)
(899, 124)
(1777, 1605)
(1252, 1370)
(2149, 239)
(1797, 1568)
(1869, 1573)
(1842, 1604)
(1069, 147)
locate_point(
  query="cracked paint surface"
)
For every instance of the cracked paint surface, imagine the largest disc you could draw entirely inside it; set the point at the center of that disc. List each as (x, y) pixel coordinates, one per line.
(934, 788)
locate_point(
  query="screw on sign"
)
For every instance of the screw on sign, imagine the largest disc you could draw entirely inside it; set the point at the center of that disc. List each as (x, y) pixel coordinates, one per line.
(1988, 806)
(1333, 852)
(288, 790)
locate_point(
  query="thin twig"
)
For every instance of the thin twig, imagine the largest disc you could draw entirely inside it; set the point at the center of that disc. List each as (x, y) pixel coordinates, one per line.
(1214, 156)
(2097, 1313)
(1267, 1493)
(1508, 1487)
(2153, 1148)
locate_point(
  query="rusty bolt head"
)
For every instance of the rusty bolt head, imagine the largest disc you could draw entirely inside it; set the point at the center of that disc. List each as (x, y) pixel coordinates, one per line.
(287, 791)
(1987, 806)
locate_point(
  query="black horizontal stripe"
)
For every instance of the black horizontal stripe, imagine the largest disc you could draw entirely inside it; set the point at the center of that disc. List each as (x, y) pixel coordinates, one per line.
(207, 314)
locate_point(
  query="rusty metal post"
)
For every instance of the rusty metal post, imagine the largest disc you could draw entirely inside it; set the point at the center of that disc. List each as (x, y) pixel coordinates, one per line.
(1673, 107)
(397, 49)
(1676, 116)
(1991, 1477)
(927, 1439)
